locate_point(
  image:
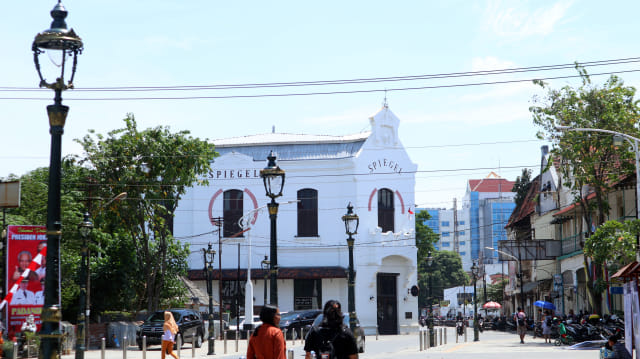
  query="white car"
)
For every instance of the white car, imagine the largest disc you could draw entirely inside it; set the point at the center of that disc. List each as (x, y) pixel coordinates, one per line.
(233, 324)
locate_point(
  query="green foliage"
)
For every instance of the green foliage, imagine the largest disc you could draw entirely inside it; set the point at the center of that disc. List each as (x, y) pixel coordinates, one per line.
(591, 162)
(445, 272)
(143, 262)
(521, 186)
(495, 292)
(593, 159)
(613, 242)
(425, 237)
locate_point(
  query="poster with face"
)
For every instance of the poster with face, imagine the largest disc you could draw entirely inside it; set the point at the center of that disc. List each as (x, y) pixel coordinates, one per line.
(23, 245)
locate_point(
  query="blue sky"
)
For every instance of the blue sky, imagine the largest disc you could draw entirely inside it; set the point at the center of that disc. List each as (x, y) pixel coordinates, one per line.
(453, 133)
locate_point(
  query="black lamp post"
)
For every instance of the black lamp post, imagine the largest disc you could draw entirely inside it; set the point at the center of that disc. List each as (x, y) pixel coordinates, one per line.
(476, 330)
(273, 178)
(430, 296)
(60, 43)
(351, 222)
(265, 267)
(85, 229)
(208, 255)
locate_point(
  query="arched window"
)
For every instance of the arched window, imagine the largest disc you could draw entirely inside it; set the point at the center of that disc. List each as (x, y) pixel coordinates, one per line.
(232, 212)
(307, 213)
(385, 210)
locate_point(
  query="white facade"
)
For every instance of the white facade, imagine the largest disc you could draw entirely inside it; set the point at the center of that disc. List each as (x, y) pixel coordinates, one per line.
(342, 169)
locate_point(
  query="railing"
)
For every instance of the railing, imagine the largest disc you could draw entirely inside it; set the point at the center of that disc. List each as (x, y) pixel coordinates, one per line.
(573, 243)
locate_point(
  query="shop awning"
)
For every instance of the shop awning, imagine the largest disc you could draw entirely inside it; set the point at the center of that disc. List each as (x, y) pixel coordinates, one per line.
(630, 270)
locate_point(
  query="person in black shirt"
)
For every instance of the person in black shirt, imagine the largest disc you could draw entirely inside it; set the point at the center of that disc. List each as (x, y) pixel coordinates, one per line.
(331, 330)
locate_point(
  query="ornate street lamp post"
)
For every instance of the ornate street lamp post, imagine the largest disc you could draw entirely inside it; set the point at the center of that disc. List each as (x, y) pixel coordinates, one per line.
(208, 255)
(476, 330)
(85, 229)
(273, 178)
(351, 222)
(430, 299)
(59, 42)
(430, 296)
(265, 268)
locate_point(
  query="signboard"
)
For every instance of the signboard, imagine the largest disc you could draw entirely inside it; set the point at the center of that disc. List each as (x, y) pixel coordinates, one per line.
(10, 194)
(23, 244)
(540, 249)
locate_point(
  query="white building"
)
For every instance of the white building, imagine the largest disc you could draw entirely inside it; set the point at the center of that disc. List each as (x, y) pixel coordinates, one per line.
(324, 174)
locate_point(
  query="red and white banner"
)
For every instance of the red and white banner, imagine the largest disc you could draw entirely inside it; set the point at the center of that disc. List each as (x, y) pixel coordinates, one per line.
(26, 254)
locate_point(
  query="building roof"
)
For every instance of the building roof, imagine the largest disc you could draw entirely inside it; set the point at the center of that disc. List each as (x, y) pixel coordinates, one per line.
(528, 206)
(289, 146)
(490, 184)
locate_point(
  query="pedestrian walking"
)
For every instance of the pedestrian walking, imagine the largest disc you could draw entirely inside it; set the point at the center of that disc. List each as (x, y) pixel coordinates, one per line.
(267, 342)
(546, 326)
(521, 324)
(169, 329)
(332, 339)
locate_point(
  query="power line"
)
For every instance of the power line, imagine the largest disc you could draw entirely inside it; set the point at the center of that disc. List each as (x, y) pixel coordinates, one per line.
(342, 92)
(347, 81)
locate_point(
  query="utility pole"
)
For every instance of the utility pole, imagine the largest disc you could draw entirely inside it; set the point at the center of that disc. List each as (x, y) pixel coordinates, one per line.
(456, 242)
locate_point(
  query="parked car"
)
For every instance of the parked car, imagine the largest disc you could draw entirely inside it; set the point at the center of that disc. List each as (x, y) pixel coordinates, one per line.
(294, 322)
(190, 326)
(233, 325)
(358, 332)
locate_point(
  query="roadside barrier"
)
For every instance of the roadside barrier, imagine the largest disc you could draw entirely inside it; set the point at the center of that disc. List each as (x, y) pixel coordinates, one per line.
(225, 342)
(237, 338)
(14, 354)
(445, 335)
(465, 334)
(289, 353)
(193, 345)
(179, 343)
(441, 335)
(125, 343)
(144, 347)
(103, 346)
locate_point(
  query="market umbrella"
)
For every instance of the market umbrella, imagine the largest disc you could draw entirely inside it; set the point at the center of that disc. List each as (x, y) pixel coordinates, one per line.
(491, 305)
(544, 304)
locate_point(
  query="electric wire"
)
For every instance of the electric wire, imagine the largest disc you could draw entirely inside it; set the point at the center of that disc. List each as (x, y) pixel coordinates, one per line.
(319, 93)
(349, 81)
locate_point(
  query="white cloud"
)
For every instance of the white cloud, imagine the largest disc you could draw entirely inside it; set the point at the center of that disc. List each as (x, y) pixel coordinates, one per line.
(518, 19)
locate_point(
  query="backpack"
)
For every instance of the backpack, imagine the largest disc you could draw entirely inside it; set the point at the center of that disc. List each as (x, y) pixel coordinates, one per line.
(548, 321)
(326, 349)
(520, 319)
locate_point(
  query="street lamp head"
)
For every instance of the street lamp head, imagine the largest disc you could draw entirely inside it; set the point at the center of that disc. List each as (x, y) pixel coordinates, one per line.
(86, 225)
(273, 177)
(59, 42)
(429, 259)
(265, 263)
(474, 270)
(351, 221)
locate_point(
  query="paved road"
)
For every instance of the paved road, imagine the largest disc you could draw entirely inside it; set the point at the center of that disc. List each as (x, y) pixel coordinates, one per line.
(494, 345)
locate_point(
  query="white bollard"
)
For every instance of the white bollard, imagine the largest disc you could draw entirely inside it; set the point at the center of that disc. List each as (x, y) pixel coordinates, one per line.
(103, 346)
(179, 343)
(144, 347)
(193, 345)
(124, 347)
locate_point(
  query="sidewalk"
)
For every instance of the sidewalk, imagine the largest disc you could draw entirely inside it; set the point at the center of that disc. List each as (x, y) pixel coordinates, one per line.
(492, 345)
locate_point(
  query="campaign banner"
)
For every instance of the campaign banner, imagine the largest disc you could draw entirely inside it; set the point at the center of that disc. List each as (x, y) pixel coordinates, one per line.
(25, 271)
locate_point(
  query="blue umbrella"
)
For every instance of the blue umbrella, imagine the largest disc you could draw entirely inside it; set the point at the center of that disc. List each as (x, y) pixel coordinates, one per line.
(544, 304)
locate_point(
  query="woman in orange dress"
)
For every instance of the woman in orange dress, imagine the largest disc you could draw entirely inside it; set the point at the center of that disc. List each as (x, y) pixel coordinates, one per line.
(169, 330)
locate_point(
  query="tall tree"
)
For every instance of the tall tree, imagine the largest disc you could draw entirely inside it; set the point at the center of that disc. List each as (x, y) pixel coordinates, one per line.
(521, 186)
(155, 167)
(593, 162)
(444, 272)
(425, 237)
